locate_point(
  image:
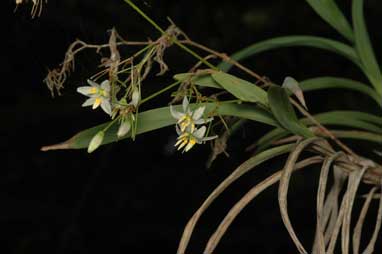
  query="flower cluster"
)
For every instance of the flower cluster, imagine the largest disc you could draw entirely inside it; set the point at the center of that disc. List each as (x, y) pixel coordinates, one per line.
(186, 126)
(99, 95)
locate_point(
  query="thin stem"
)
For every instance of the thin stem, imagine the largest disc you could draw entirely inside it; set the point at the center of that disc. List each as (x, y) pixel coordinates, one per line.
(111, 123)
(159, 92)
(323, 129)
(173, 40)
(152, 22)
(194, 54)
(225, 58)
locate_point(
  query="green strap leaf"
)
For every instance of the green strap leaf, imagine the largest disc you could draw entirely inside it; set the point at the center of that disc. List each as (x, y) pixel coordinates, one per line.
(284, 112)
(352, 119)
(241, 88)
(341, 83)
(329, 11)
(294, 41)
(307, 85)
(358, 135)
(266, 140)
(361, 116)
(364, 47)
(161, 117)
(201, 80)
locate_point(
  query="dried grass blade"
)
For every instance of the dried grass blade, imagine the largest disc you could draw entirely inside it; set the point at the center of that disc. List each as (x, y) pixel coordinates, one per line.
(248, 197)
(283, 190)
(319, 239)
(337, 226)
(370, 247)
(353, 183)
(331, 204)
(238, 172)
(361, 219)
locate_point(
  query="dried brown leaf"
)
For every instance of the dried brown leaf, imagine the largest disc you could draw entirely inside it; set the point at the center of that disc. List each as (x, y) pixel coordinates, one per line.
(361, 219)
(238, 172)
(283, 189)
(355, 178)
(331, 203)
(370, 247)
(319, 239)
(337, 226)
(248, 197)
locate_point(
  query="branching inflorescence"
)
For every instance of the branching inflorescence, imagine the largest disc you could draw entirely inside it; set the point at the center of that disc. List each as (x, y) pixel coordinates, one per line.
(117, 89)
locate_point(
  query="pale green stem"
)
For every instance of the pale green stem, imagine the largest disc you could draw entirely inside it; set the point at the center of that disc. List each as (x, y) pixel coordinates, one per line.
(159, 92)
(111, 123)
(174, 40)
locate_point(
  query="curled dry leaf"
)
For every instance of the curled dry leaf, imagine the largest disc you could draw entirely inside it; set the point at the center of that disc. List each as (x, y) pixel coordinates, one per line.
(353, 184)
(361, 219)
(319, 245)
(248, 197)
(283, 189)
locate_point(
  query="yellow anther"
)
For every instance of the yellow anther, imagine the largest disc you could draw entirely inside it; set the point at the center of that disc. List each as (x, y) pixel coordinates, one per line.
(97, 102)
(190, 144)
(93, 90)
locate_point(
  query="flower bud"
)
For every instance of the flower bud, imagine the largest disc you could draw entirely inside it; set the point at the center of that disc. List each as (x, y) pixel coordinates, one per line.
(124, 128)
(96, 141)
(135, 97)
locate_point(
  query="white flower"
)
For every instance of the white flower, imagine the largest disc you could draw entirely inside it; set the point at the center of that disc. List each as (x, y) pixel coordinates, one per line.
(188, 119)
(189, 139)
(99, 95)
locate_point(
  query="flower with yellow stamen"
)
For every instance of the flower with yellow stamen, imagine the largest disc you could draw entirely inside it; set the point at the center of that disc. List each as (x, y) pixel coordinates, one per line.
(99, 95)
(187, 120)
(187, 140)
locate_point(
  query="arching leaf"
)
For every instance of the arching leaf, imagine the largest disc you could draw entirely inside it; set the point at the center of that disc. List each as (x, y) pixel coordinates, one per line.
(241, 88)
(201, 80)
(294, 41)
(161, 117)
(284, 112)
(339, 83)
(329, 11)
(364, 47)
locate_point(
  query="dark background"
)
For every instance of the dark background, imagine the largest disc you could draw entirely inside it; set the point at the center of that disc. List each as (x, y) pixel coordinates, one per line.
(130, 197)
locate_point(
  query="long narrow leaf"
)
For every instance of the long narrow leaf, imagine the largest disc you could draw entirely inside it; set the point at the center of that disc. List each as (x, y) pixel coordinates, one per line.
(161, 117)
(329, 11)
(266, 140)
(364, 47)
(350, 119)
(339, 83)
(358, 135)
(201, 80)
(294, 41)
(284, 112)
(241, 88)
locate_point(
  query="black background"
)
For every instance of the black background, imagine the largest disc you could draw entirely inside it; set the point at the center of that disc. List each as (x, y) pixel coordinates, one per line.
(130, 197)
